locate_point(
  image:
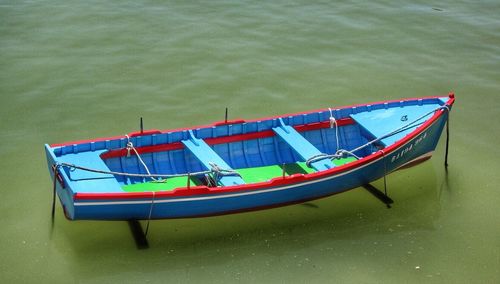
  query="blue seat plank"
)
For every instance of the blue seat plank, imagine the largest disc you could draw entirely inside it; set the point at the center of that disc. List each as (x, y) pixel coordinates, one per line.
(207, 155)
(301, 146)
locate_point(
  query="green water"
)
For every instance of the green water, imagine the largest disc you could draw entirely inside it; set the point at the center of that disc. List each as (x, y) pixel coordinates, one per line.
(73, 70)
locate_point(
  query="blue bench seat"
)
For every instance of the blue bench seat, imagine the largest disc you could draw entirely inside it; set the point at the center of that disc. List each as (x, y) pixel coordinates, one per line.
(207, 157)
(301, 146)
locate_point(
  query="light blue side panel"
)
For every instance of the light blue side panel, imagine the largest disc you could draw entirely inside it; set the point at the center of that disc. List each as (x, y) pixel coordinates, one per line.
(381, 122)
(85, 181)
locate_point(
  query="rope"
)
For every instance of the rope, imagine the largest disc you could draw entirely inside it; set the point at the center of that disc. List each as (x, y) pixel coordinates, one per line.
(54, 190)
(130, 146)
(333, 122)
(150, 213)
(316, 158)
(72, 166)
(338, 155)
(341, 153)
(385, 177)
(401, 129)
(447, 138)
(217, 171)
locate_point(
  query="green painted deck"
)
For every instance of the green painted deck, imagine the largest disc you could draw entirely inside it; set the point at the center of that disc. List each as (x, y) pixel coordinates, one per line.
(249, 175)
(260, 174)
(170, 184)
(343, 161)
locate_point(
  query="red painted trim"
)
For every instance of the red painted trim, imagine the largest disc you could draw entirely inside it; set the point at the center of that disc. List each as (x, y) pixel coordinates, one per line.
(264, 207)
(323, 124)
(146, 132)
(85, 141)
(146, 149)
(120, 195)
(236, 121)
(223, 139)
(240, 137)
(202, 190)
(193, 191)
(450, 95)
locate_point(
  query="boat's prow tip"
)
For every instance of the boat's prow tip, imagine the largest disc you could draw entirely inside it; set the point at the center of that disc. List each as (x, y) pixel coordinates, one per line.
(451, 95)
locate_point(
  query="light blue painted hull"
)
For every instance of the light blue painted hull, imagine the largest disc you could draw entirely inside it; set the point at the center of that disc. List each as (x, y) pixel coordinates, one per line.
(418, 147)
(269, 197)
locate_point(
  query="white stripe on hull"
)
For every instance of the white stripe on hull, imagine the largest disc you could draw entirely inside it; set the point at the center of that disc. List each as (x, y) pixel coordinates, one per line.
(241, 193)
(263, 190)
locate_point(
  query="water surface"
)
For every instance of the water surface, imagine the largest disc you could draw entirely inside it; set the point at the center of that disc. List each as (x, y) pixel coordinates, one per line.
(73, 70)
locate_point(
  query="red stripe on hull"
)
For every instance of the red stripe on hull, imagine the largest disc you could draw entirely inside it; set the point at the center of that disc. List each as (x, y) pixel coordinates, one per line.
(450, 102)
(223, 140)
(259, 207)
(202, 190)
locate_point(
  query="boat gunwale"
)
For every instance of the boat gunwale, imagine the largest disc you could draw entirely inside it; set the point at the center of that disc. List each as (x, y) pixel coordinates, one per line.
(237, 121)
(279, 181)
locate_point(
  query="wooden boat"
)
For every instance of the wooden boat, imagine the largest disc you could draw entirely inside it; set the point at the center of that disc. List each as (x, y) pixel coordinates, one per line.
(236, 166)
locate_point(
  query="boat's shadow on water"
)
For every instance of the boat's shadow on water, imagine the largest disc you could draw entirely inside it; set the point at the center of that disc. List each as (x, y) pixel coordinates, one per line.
(331, 225)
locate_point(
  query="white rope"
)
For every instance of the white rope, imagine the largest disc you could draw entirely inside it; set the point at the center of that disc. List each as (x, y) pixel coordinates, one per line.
(73, 166)
(150, 212)
(130, 146)
(333, 122)
(338, 155)
(401, 129)
(216, 171)
(341, 153)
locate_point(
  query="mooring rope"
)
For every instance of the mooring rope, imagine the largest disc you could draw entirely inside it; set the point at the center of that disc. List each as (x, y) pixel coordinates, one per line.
(54, 190)
(401, 129)
(341, 153)
(447, 137)
(333, 122)
(150, 213)
(216, 170)
(130, 146)
(338, 155)
(73, 166)
(385, 176)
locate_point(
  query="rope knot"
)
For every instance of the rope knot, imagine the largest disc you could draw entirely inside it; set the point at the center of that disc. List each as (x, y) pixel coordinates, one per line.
(219, 172)
(130, 146)
(333, 121)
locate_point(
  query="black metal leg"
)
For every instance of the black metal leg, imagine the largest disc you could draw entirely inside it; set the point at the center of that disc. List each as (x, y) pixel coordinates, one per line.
(379, 194)
(140, 238)
(447, 140)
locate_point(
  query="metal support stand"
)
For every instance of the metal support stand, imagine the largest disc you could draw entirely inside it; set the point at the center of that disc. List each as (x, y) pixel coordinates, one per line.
(379, 194)
(447, 139)
(382, 196)
(139, 236)
(54, 192)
